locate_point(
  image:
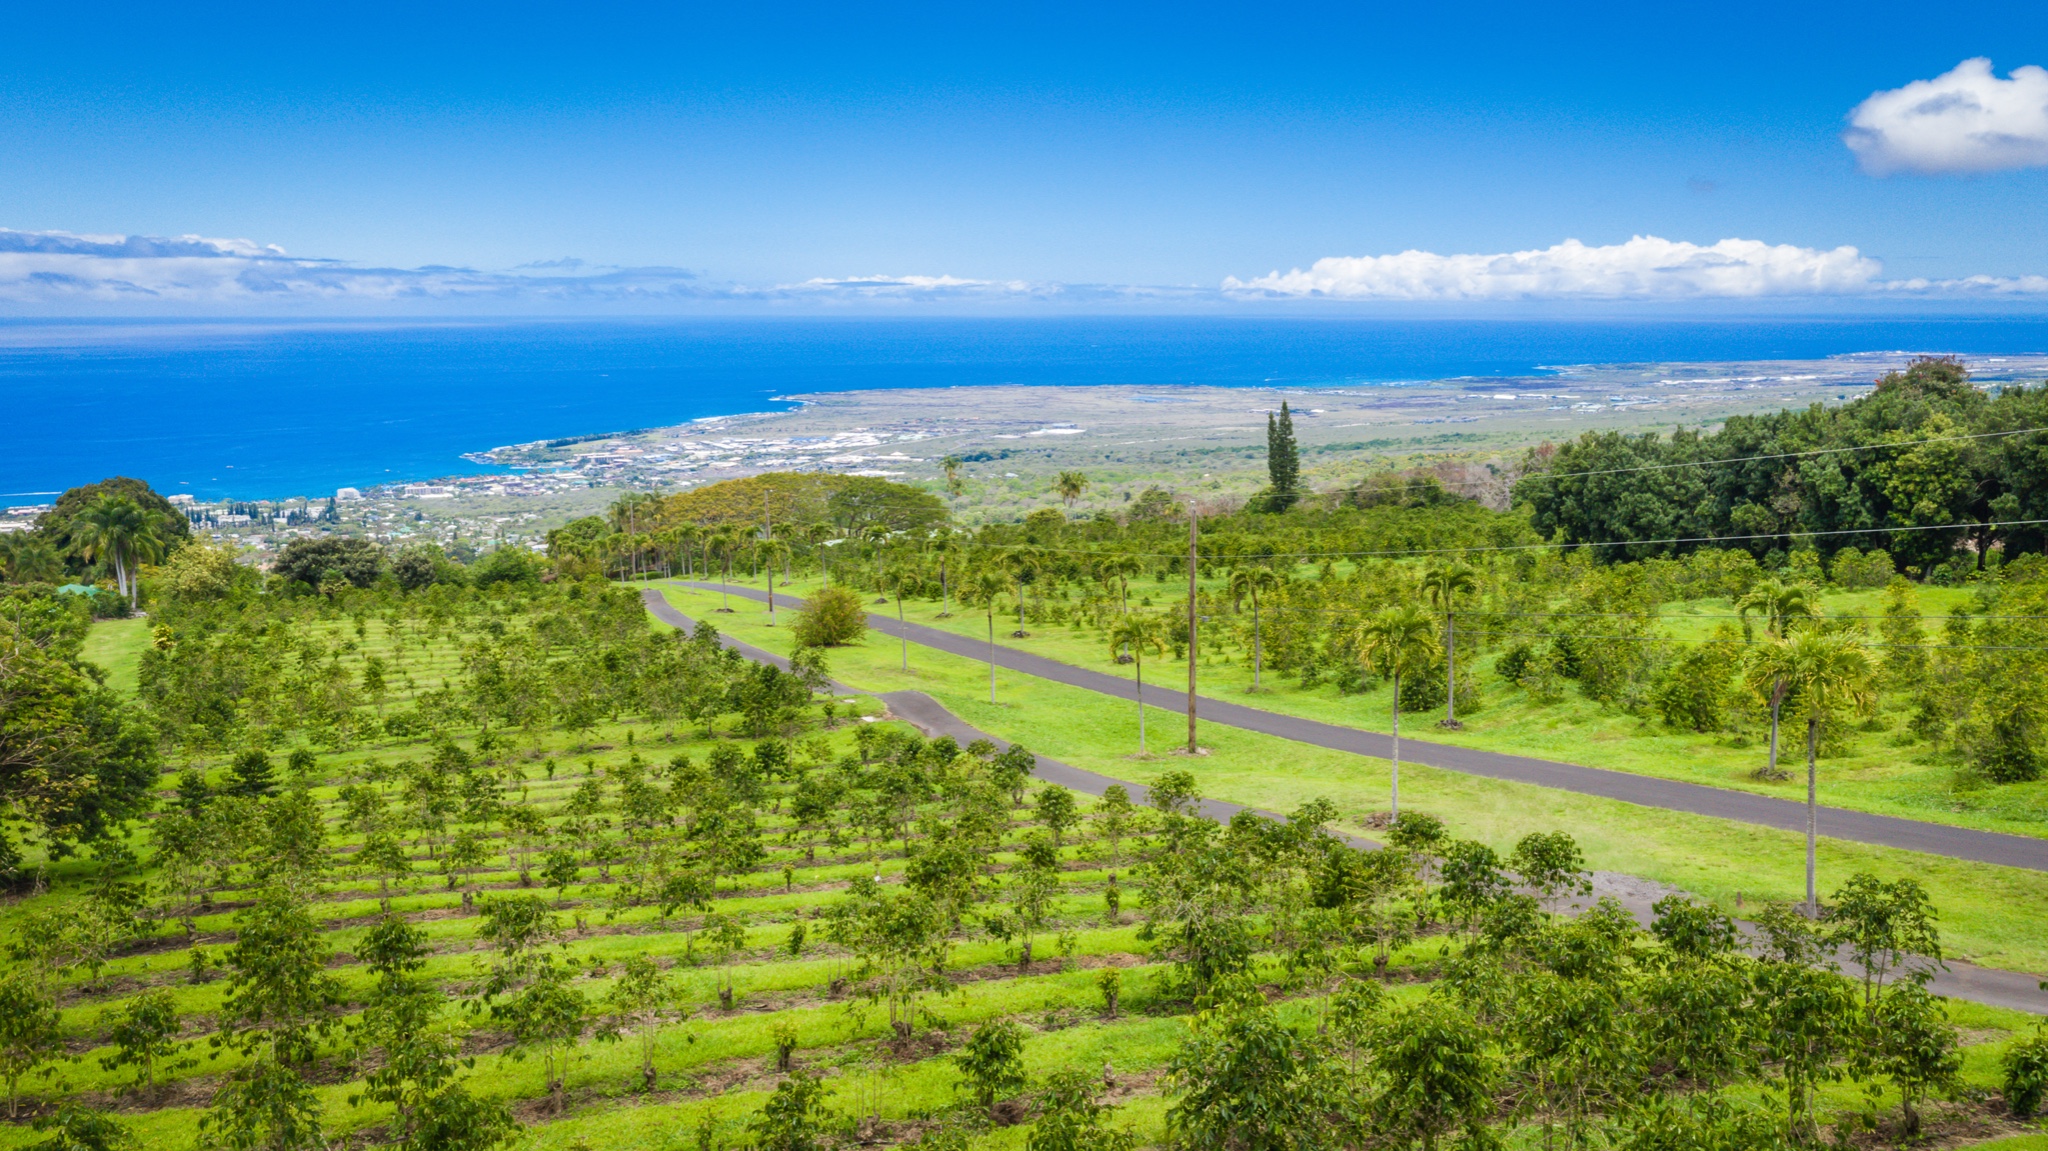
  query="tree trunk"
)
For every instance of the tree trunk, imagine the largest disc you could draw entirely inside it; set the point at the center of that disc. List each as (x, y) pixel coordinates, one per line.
(1140, 665)
(1812, 813)
(1258, 655)
(1777, 701)
(1194, 641)
(1450, 671)
(1397, 745)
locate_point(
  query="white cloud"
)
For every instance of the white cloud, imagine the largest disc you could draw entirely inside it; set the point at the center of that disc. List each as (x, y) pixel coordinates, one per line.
(911, 288)
(61, 270)
(67, 273)
(1967, 120)
(65, 269)
(1646, 267)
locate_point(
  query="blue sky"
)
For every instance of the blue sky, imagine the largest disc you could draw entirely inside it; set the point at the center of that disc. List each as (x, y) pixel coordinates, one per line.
(776, 152)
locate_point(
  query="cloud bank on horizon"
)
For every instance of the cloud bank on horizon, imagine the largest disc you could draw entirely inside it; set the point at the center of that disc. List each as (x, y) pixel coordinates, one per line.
(1643, 268)
(1964, 121)
(70, 271)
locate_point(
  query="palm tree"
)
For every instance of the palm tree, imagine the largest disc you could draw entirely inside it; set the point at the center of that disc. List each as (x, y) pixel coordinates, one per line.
(119, 532)
(30, 558)
(1251, 581)
(1394, 642)
(952, 464)
(1781, 604)
(771, 551)
(1826, 674)
(1119, 569)
(1116, 571)
(896, 576)
(1026, 567)
(1136, 633)
(986, 585)
(943, 548)
(1070, 486)
(686, 536)
(818, 534)
(1443, 582)
(723, 540)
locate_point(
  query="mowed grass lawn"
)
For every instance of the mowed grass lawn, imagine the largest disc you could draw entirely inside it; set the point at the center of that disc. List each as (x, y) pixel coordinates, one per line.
(1884, 772)
(1990, 915)
(115, 646)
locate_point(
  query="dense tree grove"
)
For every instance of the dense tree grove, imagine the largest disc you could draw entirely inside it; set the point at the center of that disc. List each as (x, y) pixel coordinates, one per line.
(76, 760)
(1923, 450)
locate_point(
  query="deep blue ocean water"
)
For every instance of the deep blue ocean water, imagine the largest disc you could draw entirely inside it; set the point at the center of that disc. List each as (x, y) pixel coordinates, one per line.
(273, 410)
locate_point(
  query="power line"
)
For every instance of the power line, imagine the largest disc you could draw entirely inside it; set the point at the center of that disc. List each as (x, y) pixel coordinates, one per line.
(1750, 459)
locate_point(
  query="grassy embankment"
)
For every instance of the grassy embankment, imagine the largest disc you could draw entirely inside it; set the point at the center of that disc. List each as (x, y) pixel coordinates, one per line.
(1988, 912)
(1885, 772)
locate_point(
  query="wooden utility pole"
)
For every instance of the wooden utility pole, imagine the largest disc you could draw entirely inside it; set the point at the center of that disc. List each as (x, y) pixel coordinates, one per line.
(1193, 621)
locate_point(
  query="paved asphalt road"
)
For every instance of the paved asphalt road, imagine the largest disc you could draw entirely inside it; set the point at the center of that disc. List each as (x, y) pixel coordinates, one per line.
(1996, 988)
(1647, 791)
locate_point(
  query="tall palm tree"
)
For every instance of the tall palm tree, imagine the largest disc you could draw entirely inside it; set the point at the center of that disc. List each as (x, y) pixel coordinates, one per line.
(1118, 570)
(1027, 566)
(1826, 674)
(898, 575)
(986, 586)
(723, 540)
(117, 531)
(1443, 582)
(771, 551)
(941, 548)
(1395, 642)
(1253, 581)
(1115, 571)
(1136, 633)
(1781, 604)
(1070, 486)
(952, 464)
(818, 534)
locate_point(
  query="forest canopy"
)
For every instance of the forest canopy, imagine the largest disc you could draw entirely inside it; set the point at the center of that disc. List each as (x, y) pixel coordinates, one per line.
(1924, 448)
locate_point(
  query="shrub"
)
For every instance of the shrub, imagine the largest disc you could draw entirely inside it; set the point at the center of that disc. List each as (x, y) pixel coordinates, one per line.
(795, 1118)
(1543, 676)
(2026, 1073)
(513, 565)
(1692, 691)
(992, 1062)
(832, 617)
(1515, 661)
(2005, 745)
(1424, 691)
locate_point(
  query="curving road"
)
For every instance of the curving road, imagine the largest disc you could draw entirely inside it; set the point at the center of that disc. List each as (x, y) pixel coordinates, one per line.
(1646, 791)
(2009, 989)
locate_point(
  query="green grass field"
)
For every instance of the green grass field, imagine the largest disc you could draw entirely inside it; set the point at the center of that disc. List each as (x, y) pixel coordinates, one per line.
(1988, 912)
(1884, 772)
(116, 646)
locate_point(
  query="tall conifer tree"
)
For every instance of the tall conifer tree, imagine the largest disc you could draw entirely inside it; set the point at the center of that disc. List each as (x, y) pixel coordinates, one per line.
(1283, 459)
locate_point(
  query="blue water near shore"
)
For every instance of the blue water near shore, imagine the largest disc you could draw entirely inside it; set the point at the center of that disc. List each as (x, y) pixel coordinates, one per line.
(273, 410)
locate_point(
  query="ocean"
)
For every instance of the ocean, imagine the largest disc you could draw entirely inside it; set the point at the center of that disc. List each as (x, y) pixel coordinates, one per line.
(255, 410)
